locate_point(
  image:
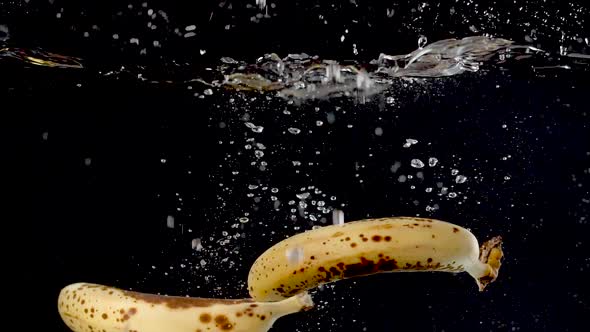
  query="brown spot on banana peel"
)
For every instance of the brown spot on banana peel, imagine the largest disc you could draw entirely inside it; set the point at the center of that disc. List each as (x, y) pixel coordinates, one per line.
(426, 240)
(181, 302)
(134, 313)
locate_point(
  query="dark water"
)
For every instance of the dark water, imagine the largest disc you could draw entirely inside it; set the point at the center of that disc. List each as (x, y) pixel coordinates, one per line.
(108, 160)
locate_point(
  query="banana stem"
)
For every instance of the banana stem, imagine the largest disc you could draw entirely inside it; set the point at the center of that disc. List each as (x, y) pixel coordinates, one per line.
(485, 271)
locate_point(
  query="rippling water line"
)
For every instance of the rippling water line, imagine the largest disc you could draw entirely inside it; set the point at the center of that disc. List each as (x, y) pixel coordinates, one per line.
(302, 76)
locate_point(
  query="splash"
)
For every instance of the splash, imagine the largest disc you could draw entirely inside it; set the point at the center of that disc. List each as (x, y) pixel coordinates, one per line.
(306, 77)
(39, 57)
(301, 76)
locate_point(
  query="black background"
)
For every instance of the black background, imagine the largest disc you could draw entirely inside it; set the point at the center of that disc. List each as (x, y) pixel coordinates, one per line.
(106, 222)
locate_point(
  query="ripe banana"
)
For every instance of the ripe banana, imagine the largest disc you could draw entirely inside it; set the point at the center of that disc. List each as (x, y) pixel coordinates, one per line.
(367, 247)
(96, 308)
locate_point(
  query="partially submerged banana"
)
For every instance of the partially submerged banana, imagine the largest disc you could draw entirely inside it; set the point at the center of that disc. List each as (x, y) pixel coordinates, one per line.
(367, 247)
(96, 308)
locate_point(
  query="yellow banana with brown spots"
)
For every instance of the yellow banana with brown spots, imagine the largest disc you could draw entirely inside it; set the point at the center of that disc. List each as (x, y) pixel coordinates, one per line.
(367, 247)
(96, 308)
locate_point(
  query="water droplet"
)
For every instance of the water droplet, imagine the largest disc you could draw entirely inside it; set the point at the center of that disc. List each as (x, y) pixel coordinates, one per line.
(432, 161)
(390, 100)
(319, 123)
(454, 171)
(429, 189)
(244, 220)
(452, 195)
(294, 131)
(259, 154)
(417, 163)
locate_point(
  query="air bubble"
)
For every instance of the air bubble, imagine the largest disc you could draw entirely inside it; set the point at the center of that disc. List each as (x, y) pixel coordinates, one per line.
(417, 163)
(170, 221)
(422, 41)
(196, 244)
(338, 217)
(302, 195)
(460, 179)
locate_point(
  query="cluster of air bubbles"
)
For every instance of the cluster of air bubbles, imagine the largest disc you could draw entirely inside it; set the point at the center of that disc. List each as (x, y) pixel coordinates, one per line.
(254, 128)
(409, 142)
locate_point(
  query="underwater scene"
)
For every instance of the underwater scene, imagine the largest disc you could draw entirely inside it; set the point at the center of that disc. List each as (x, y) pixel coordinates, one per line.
(219, 165)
